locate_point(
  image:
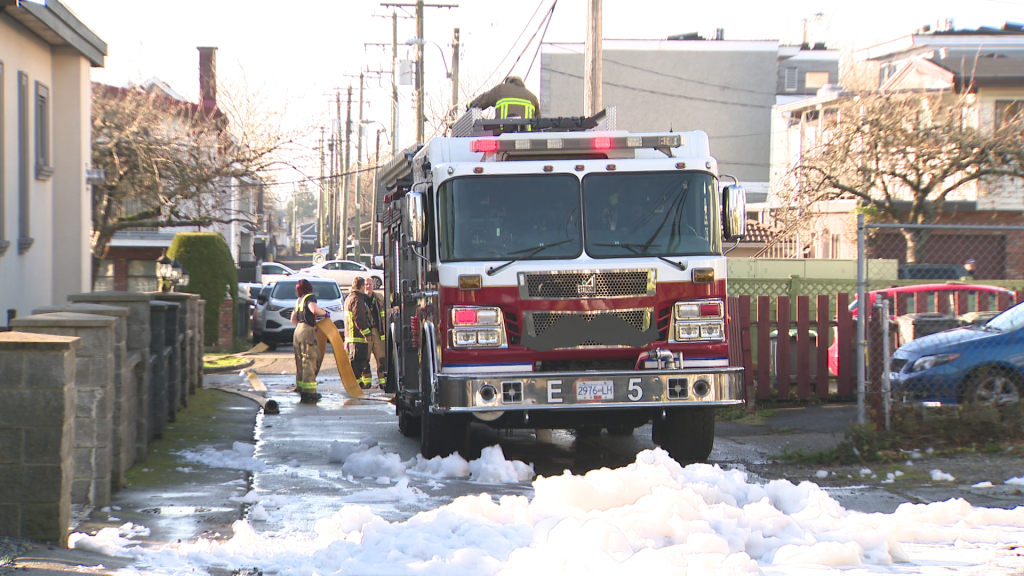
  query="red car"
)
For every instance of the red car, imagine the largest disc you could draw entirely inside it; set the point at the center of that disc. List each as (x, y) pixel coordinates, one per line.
(953, 291)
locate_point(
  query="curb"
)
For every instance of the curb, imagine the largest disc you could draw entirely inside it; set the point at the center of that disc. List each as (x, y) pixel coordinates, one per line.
(226, 369)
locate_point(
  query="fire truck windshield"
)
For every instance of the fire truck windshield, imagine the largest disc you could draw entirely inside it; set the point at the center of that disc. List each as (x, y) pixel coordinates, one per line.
(506, 217)
(625, 214)
(651, 214)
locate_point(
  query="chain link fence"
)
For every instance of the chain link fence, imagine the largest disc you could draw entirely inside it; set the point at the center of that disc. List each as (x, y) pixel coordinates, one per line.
(932, 336)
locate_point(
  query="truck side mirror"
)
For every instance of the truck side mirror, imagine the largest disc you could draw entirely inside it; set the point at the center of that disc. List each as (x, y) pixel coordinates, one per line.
(734, 212)
(415, 220)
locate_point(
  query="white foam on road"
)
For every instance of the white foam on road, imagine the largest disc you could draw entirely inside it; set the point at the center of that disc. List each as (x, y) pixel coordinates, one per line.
(652, 516)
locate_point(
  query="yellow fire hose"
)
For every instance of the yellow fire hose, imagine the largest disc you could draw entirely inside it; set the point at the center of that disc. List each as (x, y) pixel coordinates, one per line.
(327, 331)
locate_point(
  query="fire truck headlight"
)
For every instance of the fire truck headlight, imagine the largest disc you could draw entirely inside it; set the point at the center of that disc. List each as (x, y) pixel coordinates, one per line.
(465, 337)
(687, 310)
(712, 331)
(487, 316)
(488, 337)
(687, 331)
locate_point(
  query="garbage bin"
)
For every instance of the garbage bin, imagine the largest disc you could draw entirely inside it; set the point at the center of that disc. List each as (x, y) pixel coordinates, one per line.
(793, 353)
(920, 324)
(978, 318)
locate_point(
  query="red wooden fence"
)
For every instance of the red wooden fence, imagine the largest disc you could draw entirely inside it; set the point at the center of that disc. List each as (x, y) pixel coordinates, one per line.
(840, 329)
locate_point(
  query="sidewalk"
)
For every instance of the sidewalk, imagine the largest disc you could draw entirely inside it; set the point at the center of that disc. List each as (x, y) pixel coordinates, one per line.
(177, 503)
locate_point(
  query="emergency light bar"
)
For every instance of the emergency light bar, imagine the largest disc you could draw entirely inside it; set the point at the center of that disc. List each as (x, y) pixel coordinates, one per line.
(578, 144)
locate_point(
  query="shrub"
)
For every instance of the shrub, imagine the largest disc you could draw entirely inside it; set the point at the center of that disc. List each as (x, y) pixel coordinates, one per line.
(211, 272)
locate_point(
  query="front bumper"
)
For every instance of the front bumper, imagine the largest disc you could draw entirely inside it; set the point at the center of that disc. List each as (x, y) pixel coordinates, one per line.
(587, 390)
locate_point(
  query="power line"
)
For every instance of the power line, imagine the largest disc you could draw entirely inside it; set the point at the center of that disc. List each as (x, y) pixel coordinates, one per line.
(670, 95)
(667, 75)
(498, 67)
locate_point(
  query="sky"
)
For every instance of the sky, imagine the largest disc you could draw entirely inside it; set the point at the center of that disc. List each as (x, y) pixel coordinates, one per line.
(296, 55)
(650, 517)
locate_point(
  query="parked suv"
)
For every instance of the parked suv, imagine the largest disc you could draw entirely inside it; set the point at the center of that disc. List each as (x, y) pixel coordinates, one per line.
(273, 326)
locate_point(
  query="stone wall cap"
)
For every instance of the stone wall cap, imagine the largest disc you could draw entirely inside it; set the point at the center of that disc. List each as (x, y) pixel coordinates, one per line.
(85, 308)
(166, 303)
(28, 341)
(72, 319)
(174, 296)
(110, 296)
(160, 304)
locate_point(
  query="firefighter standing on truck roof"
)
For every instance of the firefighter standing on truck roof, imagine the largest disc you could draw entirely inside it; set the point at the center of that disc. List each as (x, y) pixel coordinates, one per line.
(375, 309)
(510, 99)
(357, 331)
(307, 348)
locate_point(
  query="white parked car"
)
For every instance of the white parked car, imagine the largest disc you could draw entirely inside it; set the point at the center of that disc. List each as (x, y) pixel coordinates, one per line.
(271, 272)
(343, 271)
(272, 324)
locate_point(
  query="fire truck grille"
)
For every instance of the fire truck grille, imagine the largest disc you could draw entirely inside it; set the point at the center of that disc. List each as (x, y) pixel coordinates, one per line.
(583, 284)
(639, 318)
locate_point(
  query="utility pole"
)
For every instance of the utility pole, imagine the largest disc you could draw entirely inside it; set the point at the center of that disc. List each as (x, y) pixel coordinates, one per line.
(374, 248)
(345, 192)
(321, 205)
(592, 98)
(359, 173)
(335, 172)
(394, 85)
(455, 73)
(419, 5)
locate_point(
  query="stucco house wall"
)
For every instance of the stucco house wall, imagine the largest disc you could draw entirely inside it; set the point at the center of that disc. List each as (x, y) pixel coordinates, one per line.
(45, 55)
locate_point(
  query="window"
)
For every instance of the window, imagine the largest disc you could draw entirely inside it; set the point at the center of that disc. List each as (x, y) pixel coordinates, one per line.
(142, 276)
(104, 276)
(42, 133)
(837, 244)
(791, 78)
(1007, 111)
(815, 79)
(4, 243)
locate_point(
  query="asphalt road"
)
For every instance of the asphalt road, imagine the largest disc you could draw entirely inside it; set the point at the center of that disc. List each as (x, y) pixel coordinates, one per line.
(181, 502)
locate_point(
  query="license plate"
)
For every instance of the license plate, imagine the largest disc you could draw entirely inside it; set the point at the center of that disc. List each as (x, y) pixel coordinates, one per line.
(595, 390)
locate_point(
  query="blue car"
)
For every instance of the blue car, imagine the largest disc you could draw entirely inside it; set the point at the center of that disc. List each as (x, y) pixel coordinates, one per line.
(967, 365)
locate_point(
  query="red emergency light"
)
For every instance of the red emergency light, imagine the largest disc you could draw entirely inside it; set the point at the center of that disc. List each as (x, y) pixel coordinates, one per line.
(485, 146)
(602, 143)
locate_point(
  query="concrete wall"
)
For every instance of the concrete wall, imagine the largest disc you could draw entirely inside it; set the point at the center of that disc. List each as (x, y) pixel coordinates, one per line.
(94, 384)
(37, 419)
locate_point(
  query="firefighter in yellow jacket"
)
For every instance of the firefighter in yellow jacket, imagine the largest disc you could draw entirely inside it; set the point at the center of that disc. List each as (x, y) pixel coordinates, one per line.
(357, 332)
(510, 99)
(307, 349)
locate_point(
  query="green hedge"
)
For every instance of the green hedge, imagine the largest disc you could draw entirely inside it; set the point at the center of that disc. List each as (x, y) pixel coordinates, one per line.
(211, 272)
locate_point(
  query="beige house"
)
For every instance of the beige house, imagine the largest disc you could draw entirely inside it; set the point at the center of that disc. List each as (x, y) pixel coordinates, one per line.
(46, 53)
(986, 66)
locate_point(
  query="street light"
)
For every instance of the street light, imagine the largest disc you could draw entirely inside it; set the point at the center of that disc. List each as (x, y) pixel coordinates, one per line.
(421, 41)
(170, 273)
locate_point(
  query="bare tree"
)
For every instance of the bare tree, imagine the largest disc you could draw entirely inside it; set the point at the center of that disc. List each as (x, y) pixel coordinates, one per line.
(171, 163)
(904, 156)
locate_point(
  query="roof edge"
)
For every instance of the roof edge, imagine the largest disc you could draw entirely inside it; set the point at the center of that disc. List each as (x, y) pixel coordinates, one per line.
(62, 22)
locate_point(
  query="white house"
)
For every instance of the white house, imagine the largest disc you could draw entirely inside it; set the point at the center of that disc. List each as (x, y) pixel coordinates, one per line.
(46, 53)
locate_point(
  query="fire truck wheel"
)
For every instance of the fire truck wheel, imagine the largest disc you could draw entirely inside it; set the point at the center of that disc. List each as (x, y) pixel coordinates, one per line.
(688, 434)
(443, 434)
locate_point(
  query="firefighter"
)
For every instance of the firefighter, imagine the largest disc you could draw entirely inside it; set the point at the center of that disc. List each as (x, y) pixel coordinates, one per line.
(307, 349)
(357, 330)
(375, 310)
(970, 267)
(510, 99)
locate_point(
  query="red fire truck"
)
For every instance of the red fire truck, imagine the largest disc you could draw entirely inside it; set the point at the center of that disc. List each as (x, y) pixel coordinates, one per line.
(543, 274)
